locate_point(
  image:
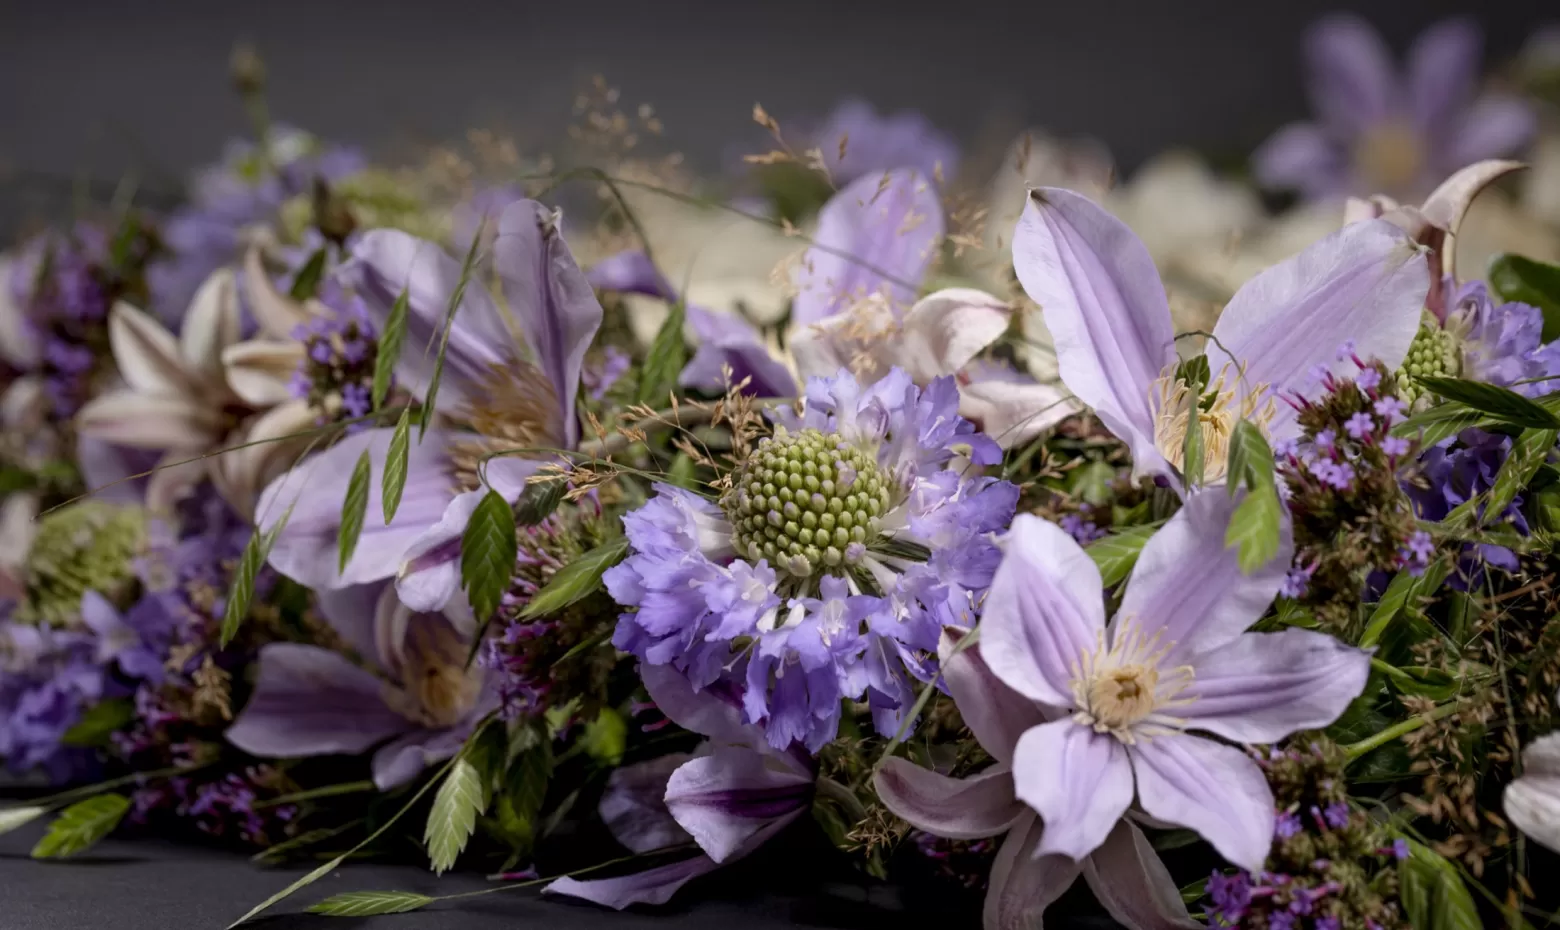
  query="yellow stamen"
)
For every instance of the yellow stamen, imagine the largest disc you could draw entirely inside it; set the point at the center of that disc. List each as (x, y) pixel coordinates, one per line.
(515, 408)
(1173, 402)
(1121, 687)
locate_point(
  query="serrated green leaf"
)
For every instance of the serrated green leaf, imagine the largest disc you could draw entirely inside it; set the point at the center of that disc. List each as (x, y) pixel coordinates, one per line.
(242, 590)
(456, 295)
(1250, 461)
(1537, 284)
(99, 722)
(12, 818)
(307, 281)
(1255, 529)
(394, 479)
(370, 903)
(538, 501)
(525, 788)
(388, 352)
(81, 825)
(454, 815)
(1503, 404)
(668, 354)
(1403, 591)
(1115, 554)
(353, 507)
(1433, 894)
(1435, 684)
(1528, 452)
(576, 580)
(487, 554)
(1441, 422)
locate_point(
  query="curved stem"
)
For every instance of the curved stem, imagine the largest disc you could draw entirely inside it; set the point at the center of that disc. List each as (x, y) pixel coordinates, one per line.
(1354, 750)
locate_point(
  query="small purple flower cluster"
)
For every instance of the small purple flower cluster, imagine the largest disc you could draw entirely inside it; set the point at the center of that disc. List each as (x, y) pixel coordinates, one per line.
(603, 370)
(65, 293)
(225, 807)
(336, 375)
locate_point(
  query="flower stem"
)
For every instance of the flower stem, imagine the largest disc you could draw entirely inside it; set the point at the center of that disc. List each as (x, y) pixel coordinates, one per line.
(1355, 750)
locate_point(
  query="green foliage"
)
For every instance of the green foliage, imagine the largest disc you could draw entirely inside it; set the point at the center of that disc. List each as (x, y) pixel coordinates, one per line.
(454, 815)
(306, 283)
(1524, 280)
(394, 479)
(668, 354)
(353, 507)
(1502, 404)
(80, 826)
(242, 591)
(1116, 554)
(576, 580)
(99, 722)
(466, 269)
(538, 501)
(12, 818)
(487, 554)
(1433, 894)
(370, 903)
(389, 351)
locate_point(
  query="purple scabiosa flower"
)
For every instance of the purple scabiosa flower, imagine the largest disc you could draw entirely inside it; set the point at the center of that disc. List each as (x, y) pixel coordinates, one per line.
(843, 546)
(1106, 308)
(1501, 343)
(730, 797)
(1451, 475)
(856, 140)
(1124, 872)
(1175, 659)
(47, 678)
(1378, 131)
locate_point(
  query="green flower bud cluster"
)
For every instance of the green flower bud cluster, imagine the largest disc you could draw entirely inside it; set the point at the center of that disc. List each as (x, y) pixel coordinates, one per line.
(807, 500)
(88, 546)
(1434, 353)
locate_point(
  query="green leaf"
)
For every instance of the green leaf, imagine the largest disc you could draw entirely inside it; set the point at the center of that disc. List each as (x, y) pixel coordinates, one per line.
(16, 479)
(525, 788)
(370, 903)
(454, 815)
(1433, 894)
(682, 472)
(353, 507)
(1528, 452)
(576, 580)
(1250, 461)
(242, 591)
(487, 554)
(668, 354)
(459, 292)
(1255, 528)
(1523, 280)
(12, 818)
(99, 722)
(394, 479)
(1403, 591)
(538, 501)
(307, 282)
(606, 737)
(1117, 553)
(1193, 455)
(1440, 422)
(389, 350)
(1435, 684)
(1503, 404)
(81, 825)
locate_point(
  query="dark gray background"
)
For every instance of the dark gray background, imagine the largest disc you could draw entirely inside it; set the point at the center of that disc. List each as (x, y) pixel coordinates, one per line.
(90, 89)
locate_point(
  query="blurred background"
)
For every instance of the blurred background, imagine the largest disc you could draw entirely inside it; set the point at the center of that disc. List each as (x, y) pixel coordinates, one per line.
(90, 90)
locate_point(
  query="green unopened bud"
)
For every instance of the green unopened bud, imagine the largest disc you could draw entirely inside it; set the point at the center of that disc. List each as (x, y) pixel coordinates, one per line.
(1434, 353)
(247, 69)
(332, 215)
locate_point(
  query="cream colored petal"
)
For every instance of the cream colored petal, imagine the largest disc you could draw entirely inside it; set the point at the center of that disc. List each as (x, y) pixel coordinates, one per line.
(1447, 204)
(149, 421)
(270, 444)
(277, 313)
(260, 370)
(23, 405)
(212, 323)
(176, 476)
(818, 349)
(1533, 801)
(947, 329)
(145, 352)
(1014, 413)
(18, 342)
(18, 525)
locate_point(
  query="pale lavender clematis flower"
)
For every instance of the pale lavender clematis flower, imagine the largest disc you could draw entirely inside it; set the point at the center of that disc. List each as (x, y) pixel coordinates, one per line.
(511, 373)
(1124, 872)
(1174, 659)
(732, 796)
(414, 698)
(1115, 345)
(1378, 131)
(1532, 802)
(875, 142)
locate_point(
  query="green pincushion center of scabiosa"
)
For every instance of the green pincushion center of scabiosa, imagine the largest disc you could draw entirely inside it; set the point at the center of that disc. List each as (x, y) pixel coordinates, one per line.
(807, 501)
(88, 546)
(1434, 353)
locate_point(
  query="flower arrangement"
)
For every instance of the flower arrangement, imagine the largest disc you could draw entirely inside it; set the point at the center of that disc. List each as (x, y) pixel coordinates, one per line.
(998, 547)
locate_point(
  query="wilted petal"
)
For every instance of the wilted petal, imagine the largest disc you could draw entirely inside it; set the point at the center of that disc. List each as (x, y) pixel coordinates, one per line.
(1350, 74)
(822, 349)
(306, 549)
(630, 271)
(1188, 584)
(399, 762)
(18, 526)
(1105, 307)
(1213, 789)
(1077, 780)
(150, 421)
(1365, 284)
(633, 805)
(877, 236)
(725, 798)
(947, 329)
(652, 886)
(1129, 879)
(1443, 73)
(309, 701)
(730, 342)
(549, 297)
(277, 313)
(352, 613)
(260, 370)
(1533, 801)
(146, 354)
(1046, 609)
(1261, 687)
(262, 450)
(995, 713)
(1300, 156)
(1495, 126)
(1014, 412)
(956, 808)
(1023, 882)
(211, 325)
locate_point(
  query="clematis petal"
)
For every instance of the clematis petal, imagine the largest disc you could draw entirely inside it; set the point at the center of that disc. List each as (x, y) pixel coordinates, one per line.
(724, 799)
(1495, 126)
(146, 354)
(309, 701)
(1187, 586)
(652, 886)
(277, 313)
(306, 548)
(1533, 801)
(1261, 687)
(630, 271)
(1349, 74)
(549, 297)
(1128, 878)
(351, 612)
(995, 713)
(1105, 307)
(1014, 412)
(402, 760)
(633, 805)
(211, 324)
(727, 341)
(704, 712)
(1213, 789)
(1365, 284)
(958, 808)
(1443, 74)
(877, 236)
(1077, 780)
(947, 329)
(260, 370)
(1024, 883)
(1302, 157)
(1045, 610)
(150, 421)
